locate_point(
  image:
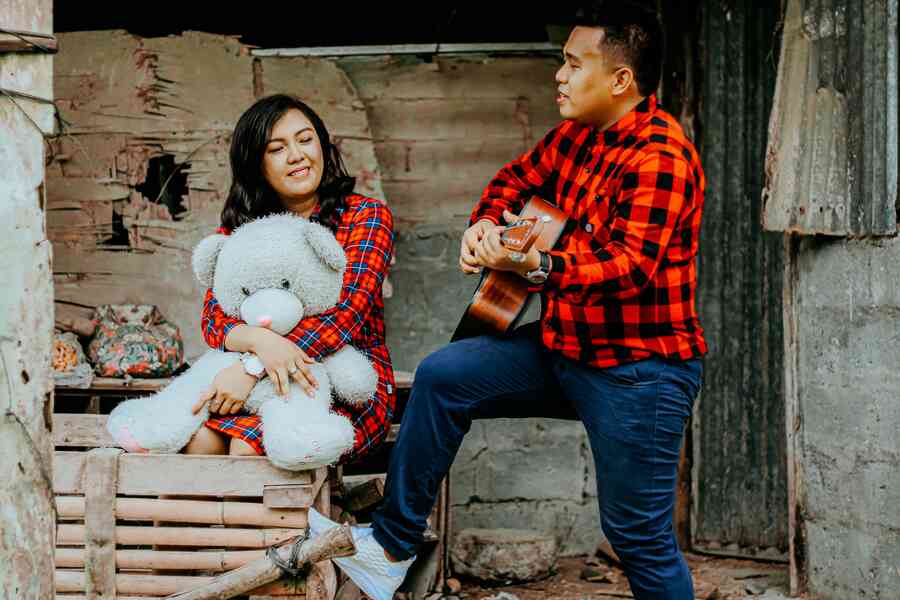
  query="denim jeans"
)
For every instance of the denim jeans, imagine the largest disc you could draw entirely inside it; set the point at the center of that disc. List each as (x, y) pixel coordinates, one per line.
(634, 415)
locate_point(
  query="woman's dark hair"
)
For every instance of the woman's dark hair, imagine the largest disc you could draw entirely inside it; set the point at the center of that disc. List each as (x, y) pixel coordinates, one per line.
(251, 196)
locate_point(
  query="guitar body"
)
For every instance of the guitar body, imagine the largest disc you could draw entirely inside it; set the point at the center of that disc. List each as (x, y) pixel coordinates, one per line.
(502, 297)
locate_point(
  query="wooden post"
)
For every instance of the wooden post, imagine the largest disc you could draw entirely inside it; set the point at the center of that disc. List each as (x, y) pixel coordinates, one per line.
(100, 476)
(332, 543)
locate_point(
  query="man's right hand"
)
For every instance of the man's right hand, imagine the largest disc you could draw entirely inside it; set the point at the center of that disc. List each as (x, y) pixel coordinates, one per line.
(470, 240)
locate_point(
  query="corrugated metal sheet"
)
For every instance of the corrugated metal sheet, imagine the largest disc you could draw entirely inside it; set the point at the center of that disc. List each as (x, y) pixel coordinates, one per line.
(832, 158)
(740, 503)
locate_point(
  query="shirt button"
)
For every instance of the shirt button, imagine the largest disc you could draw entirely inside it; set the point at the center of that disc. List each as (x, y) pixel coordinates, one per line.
(589, 228)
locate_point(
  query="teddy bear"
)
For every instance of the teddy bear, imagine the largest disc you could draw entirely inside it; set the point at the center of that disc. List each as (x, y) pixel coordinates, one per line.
(270, 272)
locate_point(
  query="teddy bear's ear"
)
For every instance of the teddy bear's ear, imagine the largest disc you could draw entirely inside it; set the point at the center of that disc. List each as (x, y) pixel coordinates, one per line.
(205, 255)
(326, 247)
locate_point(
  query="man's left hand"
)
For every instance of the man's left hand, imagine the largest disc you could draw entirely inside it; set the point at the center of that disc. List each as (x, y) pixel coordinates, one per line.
(492, 254)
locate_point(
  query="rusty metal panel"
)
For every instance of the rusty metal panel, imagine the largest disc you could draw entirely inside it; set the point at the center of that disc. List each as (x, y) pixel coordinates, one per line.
(740, 504)
(832, 158)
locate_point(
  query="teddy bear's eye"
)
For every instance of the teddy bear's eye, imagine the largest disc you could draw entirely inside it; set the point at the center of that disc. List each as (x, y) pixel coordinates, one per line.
(246, 291)
(285, 284)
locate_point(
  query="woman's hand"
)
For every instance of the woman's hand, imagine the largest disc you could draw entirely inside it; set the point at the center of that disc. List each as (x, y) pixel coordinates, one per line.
(228, 392)
(283, 361)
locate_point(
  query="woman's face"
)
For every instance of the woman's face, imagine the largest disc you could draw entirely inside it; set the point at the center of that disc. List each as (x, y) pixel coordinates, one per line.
(293, 162)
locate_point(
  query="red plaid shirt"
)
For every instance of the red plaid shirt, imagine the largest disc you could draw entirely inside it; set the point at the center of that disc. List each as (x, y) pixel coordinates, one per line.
(624, 277)
(366, 231)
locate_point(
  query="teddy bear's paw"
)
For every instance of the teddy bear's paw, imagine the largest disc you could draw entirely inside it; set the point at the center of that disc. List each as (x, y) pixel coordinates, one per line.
(353, 378)
(298, 445)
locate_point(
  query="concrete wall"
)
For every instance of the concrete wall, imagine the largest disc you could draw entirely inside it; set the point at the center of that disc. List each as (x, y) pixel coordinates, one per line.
(424, 135)
(847, 312)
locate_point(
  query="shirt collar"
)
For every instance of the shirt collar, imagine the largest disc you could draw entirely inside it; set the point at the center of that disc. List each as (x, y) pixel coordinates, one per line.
(630, 120)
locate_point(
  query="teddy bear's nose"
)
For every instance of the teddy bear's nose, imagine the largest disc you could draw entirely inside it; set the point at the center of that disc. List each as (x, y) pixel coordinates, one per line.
(264, 321)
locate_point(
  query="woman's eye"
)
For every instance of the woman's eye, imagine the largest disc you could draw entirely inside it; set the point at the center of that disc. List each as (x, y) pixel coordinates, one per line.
(285, 284)
(245, 291)
(275, 150)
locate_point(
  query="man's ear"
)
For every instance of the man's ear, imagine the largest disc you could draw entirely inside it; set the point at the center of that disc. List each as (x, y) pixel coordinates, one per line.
(326, 246)
(205, 256)
(623, 78)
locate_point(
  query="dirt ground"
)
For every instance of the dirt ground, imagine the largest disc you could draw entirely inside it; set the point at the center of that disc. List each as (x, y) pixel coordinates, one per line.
(584, 578)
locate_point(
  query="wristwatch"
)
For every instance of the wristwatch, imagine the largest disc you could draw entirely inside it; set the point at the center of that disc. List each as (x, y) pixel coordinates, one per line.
(252, 365)
(539, 275)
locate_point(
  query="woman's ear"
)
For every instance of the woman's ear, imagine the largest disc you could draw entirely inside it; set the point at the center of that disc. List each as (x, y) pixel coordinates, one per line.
(205, 256)
(326, 246)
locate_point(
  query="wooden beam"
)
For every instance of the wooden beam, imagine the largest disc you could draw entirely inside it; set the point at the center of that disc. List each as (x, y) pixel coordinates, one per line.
(189, 511)
(100, 473)
(180, 474)
(170, 559)
(28, 41)
(73, 535)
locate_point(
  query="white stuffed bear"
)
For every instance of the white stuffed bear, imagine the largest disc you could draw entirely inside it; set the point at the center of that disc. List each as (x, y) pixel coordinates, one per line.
(271, 272)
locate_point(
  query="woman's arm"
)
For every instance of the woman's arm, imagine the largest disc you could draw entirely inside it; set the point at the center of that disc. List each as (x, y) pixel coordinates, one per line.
(369, 248)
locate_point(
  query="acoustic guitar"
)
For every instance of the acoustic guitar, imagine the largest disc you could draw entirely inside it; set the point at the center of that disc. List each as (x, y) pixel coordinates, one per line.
(501, 297)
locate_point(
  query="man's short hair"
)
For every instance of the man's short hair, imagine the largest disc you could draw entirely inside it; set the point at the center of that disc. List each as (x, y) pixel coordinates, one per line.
(633, 34)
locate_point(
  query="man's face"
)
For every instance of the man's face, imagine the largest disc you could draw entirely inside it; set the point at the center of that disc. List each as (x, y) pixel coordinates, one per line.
(586, 79)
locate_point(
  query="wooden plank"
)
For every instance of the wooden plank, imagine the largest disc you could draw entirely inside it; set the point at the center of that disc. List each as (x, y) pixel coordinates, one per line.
(170, 560)
(119, 384)
(164, 585)
(81, 430)
(73, 535)
(28, 42)
(61, 191)
(288, 496)
(190, 511)
(180, 474)
(380, 50)
(100, 475)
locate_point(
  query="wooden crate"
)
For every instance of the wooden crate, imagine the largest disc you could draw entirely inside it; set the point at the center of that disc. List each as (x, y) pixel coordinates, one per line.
(168, 479)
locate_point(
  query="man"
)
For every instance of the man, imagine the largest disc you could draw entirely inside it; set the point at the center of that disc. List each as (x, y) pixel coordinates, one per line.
(619, 343)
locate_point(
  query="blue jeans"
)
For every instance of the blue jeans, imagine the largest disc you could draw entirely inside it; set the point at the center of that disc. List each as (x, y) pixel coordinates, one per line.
(634, 414)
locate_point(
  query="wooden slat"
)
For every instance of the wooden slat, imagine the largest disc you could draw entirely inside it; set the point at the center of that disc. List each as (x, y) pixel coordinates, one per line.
(180, 474)
(120, 384)
(190, 511)
(162, 585)
(170, 559)
(81, 430)
(100, 473)
(73, 535)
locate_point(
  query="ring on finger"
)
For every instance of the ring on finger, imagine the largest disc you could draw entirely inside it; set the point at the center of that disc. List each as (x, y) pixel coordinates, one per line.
(293, 369)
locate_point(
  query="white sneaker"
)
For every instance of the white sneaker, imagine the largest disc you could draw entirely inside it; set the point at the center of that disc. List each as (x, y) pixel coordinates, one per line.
(369, 568)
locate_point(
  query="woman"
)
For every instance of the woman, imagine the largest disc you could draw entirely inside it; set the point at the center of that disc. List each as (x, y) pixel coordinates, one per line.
(282, 159)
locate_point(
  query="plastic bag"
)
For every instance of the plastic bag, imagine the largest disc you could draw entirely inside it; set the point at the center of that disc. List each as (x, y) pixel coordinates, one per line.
(134, 340)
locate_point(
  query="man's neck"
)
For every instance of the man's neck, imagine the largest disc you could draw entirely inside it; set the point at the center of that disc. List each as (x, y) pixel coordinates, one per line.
(620, 111)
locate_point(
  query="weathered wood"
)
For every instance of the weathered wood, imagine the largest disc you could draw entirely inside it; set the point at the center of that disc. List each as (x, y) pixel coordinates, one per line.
(26, 42)
(332, 543)
(129, 535)
(100, 474)
(180, 474)
(170, 559)
(322, 582)
(81, 430)
(365, 495)
(287, 496)
(191, 511)
(163, 585)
